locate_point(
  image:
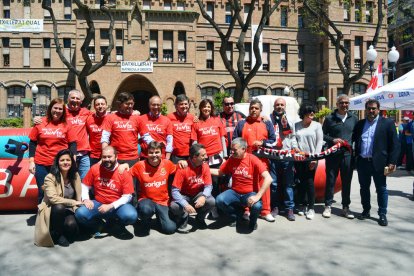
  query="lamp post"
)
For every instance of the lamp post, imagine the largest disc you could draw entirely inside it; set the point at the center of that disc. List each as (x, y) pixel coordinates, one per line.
(393, 57)
(286, 91)
(35, 90)
(371, 57)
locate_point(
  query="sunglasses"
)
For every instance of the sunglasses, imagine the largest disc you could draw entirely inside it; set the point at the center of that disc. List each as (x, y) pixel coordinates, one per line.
(343, 102)
(228, 104)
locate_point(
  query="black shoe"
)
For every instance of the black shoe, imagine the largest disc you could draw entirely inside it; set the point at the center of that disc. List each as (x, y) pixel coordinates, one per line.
(62, 241)
(383, 220)
(201, 224)
(364, 215)
(252, 227)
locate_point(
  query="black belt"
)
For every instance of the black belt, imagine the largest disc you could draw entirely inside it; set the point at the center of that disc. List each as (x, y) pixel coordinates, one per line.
(368, 159)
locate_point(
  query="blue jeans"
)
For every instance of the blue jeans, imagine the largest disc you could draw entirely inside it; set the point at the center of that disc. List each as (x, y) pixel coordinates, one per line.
(366, 170)
(84, 165)
(233, 204)
(282, 173)
(40, 174)
(147, 208)
(93, 218)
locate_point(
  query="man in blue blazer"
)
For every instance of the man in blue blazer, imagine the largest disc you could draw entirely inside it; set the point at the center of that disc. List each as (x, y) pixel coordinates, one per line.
(376, 147)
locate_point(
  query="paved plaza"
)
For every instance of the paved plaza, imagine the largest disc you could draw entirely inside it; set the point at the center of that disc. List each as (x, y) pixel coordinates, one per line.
(334, 246)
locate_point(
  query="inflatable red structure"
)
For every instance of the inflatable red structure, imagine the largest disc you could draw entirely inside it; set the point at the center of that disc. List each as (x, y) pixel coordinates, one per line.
(18, 189)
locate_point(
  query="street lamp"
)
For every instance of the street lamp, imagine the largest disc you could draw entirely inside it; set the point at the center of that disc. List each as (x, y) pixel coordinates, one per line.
(393, 57)
(35, 90)
(286, 91)
(371, 57)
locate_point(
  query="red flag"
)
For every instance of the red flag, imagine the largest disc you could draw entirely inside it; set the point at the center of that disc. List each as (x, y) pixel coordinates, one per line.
(377, 80)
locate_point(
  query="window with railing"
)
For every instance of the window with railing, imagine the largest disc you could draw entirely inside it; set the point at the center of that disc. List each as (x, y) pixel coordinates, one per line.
(46, 13)
(265, 56)
(46, 52)
(119, 53)
(210, 55)
(91, 52)
(5, 42)
(154, 46)
(209, 92)
(181, 47)
(26, 51)
(248, 56)
(14, 105)
(103, 50)
(283, 57)
(358, 51)
(167, 55)
(67, 9)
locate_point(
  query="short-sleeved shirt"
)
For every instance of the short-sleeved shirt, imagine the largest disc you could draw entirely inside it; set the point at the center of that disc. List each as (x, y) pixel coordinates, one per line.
(192, 180)
(109, 186)
(124, 129)
(153, 181)
(94, 125)
(246, 172)
(158, 127)
(50, 138)
(181, 132)
(77, 121)
(209, 133)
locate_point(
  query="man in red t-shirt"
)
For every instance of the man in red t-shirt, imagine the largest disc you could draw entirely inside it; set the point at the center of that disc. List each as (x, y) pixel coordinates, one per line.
(246, 171)
(181, 121)
(158, 126)
(191, 189)
(113, 192)
(94, 126)
(152, 175)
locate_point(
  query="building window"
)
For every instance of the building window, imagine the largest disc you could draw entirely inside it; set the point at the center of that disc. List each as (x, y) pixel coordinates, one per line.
(26, 51)
(26, 9)
(358, 88)
(407, 54)
(103, 50)
(67, 9)
(46, 52)
(302, 96)
(283, 17)
(67, 43)
(265, 56)
(283, 57)
(229, 52)
(6, 8)
(230, 91)
(248, 56)
(42, 100)
(14, 105)
(210, 55)
(119, 53)
(321, 57)
(277, 91)
(63, 92)
(146, 5)
(46, 13)
(301, 60)
(369, 11)
(167, 54)
(167, 5)
(347, 11)
(358, 51)
(5, 42)
(357, 11)
(246, 12)
(91, 52)
(182, 46)
(119, 34)
(180, 6)
(228, 13)
(210, 9)
(154, 46)
(209, 92)
(104, 33)
(253, 92)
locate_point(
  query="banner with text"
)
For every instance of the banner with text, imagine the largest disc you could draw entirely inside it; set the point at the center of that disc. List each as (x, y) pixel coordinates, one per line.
(137, 67)
(21, 25)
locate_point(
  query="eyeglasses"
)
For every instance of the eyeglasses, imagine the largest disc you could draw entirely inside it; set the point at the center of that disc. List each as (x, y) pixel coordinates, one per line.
(343, 102)
(371, 108)
(228, 104)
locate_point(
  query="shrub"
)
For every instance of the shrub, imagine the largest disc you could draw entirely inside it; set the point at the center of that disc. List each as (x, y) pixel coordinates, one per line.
(12, 122)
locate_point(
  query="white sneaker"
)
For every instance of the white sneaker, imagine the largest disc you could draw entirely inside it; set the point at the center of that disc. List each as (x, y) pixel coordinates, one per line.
(301, 210)
(327, 212)
(310, 214)
(268, 218)
(246, 216)
(347, 213)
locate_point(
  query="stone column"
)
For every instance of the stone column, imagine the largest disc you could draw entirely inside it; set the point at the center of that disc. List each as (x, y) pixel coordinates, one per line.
(3, 101)
(27, 112)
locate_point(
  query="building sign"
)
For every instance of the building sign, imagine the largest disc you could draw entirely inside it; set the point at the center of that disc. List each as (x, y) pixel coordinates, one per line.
(136, 66)
(21, 25)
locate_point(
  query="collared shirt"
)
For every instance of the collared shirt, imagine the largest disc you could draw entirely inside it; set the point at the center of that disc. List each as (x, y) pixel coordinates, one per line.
(367, 137)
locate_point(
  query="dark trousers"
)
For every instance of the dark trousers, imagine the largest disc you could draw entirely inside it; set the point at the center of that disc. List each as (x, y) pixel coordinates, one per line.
(178, 210)
(366, 170)
(63, 222)
(94, 161)
(409, 157)
(306, 187)
(176, 158)
(333, 164)
(40, 175)
(147, 208)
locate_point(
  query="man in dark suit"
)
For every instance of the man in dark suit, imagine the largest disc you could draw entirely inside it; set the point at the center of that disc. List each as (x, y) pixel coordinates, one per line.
(376, 147)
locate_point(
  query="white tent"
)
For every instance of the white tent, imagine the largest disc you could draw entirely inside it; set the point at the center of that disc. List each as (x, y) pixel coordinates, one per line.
(398, 94)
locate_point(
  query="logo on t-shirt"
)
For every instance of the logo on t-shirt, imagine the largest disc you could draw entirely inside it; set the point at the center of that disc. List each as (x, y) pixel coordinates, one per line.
(123, 125)
(243, 171)
(163, 171)
(208, 131)
(57, 132)
(154, 128)
(109, 183)
(155, 184)
(95, 129)
(182, 127)
(195, 180)
(77, 121)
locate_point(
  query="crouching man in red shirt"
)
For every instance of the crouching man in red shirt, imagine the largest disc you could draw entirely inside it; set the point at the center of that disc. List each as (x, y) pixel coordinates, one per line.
(191, 189)
(246, 171)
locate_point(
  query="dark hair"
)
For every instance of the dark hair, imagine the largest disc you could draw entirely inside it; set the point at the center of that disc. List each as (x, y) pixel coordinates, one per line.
(99, 97)
(49, 110)
(306, 108)
(195, 149)
(124, 97)
(181, 98)
(55, 170)
(256, 101)
(155, 145)
(203, 103)
(371, 101)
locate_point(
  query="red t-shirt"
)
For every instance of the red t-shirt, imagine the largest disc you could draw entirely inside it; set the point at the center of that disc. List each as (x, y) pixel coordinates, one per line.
(245, 172)
(192, 180)
(108, 185)
(51, 138)
(209, 134)
(181, 132)
(124, 131)
(254, 130)
(153, 181)
(158, 128)
(94, 125)
(77, 121)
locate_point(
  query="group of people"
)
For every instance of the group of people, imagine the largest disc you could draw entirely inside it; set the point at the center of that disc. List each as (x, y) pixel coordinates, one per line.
(100, 171)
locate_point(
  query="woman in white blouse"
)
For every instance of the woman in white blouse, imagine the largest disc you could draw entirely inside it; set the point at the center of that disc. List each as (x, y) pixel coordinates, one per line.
(310, 138)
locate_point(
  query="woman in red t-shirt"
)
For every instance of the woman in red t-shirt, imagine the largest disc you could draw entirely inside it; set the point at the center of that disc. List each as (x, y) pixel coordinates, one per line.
(47, 139)
(210, 132)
